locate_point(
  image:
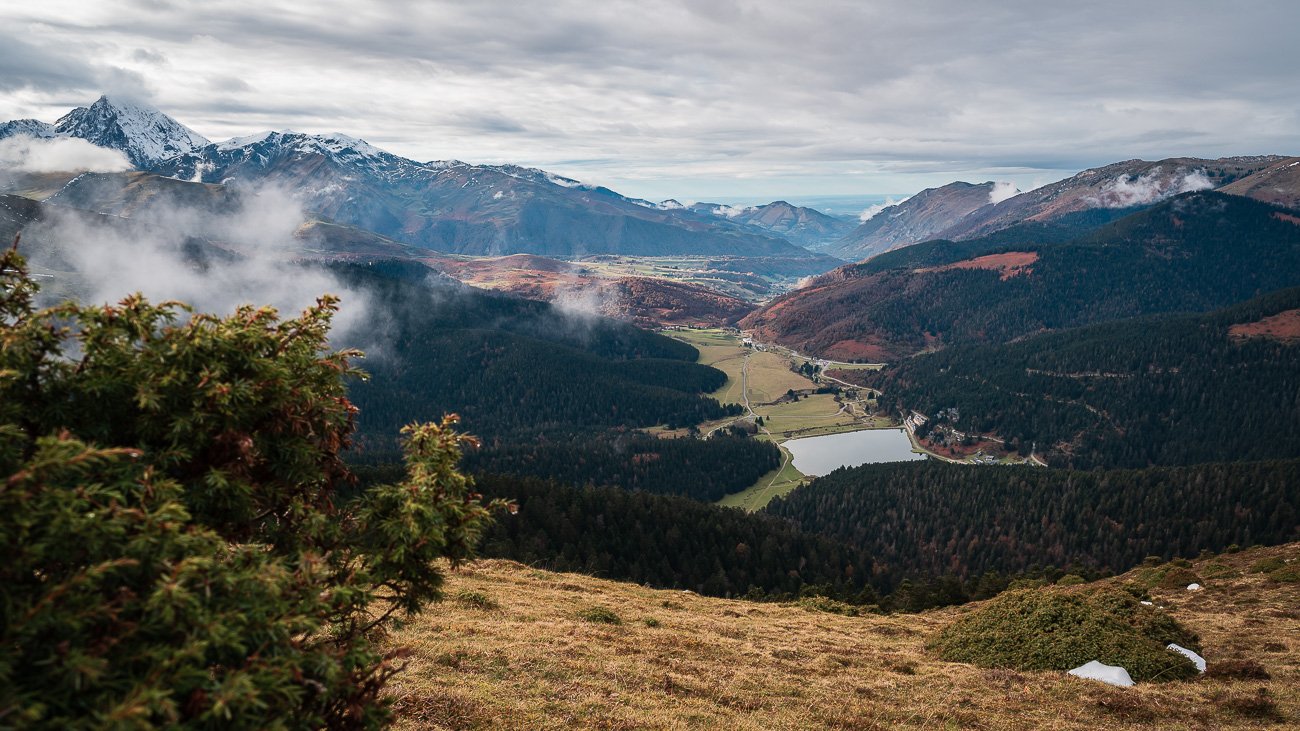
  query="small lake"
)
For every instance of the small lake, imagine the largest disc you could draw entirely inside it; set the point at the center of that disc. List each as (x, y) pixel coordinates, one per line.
(822, 455)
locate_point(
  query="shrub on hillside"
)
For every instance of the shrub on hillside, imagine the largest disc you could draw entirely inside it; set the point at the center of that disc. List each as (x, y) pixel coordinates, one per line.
(1059, 630)
(1266, 565)
(176, 551)
(1289, 574)
(832, 606)
(599, 615)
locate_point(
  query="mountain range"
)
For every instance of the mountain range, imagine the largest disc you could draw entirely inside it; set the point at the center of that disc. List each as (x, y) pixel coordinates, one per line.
(960, 211)
(1195, 252)
(448, 206)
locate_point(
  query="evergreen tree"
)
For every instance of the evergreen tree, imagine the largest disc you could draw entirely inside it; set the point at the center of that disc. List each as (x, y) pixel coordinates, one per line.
(178, 552)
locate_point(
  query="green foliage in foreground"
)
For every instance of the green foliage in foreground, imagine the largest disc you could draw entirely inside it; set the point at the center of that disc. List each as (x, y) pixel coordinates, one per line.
(174, 553)
(1039, 629)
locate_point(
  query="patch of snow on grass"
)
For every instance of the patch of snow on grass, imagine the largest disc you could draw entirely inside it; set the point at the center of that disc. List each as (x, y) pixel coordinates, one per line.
(1111, 674)
(1197, 660)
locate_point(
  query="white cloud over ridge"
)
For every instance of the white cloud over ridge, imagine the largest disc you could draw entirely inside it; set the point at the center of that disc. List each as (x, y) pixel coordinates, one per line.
(1127, 191)
(23, 154)
(1002, 191)
(872, 211)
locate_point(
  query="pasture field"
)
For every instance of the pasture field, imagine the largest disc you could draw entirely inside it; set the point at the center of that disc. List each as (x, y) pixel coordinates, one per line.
(774, 484)
(766, 376)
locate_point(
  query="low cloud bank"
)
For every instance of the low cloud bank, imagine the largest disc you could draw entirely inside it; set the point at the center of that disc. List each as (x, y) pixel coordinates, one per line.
(213, 260)
(23, 154)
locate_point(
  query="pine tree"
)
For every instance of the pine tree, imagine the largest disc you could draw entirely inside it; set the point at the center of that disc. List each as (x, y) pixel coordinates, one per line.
(183, 547)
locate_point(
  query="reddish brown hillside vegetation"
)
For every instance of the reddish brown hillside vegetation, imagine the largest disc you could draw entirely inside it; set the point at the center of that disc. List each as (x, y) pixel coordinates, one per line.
(1011, 263)
(1284, 326)
(645, 301)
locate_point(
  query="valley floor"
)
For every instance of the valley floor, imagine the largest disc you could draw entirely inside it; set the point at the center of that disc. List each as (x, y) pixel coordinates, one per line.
(510, 649)
(759, 378)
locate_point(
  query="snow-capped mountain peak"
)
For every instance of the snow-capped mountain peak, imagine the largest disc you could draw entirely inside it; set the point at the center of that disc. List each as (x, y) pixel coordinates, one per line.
(28, 128)
(144, 134)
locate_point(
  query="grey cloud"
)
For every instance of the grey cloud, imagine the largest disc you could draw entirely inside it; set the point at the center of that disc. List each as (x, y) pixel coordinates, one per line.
(24, 65)
(663, 88)
(228, 84)
(145, 55)
(489, 123)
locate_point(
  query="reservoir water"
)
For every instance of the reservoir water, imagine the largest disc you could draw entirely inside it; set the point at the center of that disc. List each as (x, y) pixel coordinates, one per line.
(822, 455)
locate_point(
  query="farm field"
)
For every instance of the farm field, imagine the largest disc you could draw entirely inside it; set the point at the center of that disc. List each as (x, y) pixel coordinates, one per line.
(774, 484)
(767, 376)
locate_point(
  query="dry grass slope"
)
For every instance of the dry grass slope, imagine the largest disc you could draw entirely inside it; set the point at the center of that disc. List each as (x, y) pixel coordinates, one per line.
(527, 655)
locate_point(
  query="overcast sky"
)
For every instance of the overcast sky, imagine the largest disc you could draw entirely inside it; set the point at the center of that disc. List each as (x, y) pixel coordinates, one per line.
(694, 99)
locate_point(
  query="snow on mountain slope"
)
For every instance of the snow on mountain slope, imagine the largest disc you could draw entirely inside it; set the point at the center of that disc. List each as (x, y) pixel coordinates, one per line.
(144, 134)
(29, 128)
(448, 205)
(458, 207)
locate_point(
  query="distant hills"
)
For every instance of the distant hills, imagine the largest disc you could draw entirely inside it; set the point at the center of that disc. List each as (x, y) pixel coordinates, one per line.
(1279, 183)
(922, 217)
(800, 225)
(1195, 252)
(646, 301)
(960, 211)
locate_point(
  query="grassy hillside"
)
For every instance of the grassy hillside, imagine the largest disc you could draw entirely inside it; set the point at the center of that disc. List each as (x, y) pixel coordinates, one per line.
(518, 648)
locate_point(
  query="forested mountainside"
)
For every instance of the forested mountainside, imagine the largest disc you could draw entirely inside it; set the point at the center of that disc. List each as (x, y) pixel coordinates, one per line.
(1156, 390)
(1195, 252)
(667, 541)
(516, 368)
(931, 519)
(659, 540)
(705, 470)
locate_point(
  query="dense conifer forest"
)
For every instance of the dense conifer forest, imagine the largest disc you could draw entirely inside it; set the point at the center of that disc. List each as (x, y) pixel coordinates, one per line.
(661, 540)
(1161, 390)
(933, 519)
(702, 469)
(515, 369)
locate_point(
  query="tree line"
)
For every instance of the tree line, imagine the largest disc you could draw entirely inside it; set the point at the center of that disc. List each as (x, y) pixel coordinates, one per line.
(931, 519)
(703, 469)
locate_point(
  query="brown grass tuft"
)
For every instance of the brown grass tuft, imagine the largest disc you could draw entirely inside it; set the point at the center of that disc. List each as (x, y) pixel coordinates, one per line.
(1236, 670)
